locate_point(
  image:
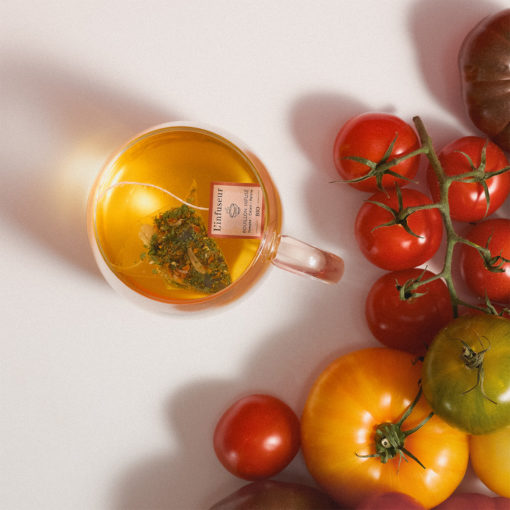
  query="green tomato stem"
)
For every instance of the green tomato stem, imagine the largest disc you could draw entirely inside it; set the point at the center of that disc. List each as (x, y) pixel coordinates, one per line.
(401, 215)
(390, 438)
(384, 167)
(452, 238)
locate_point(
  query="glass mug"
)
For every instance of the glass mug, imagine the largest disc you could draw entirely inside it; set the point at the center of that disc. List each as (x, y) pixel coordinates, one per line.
(183, 218)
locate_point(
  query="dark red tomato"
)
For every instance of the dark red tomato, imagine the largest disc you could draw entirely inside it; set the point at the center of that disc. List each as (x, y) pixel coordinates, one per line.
(495, 232)
(470, 501)
(257, 437)
(409, 324)
(467, 199)
(369, 136)
(392, 247)
(390, 501)
(484, 63)
(274, 495)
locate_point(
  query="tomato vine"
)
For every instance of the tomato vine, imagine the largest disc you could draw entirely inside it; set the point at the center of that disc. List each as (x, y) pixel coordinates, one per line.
(493, 263)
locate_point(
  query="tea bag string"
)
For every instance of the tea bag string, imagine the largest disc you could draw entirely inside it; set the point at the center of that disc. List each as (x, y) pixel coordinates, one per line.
(154, 186)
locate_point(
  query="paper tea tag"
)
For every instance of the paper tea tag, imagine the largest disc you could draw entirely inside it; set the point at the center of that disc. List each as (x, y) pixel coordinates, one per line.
(236, 210)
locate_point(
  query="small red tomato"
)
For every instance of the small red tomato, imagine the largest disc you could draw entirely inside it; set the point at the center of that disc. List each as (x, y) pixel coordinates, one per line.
(409, 324)
(467, 200)
(390, 501)
(392, 247)
(471, 501)
(370, 136)
(257, 437)
(496, 234)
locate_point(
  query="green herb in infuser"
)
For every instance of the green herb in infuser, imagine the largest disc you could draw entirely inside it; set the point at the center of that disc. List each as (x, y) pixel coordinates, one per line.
(178, 245)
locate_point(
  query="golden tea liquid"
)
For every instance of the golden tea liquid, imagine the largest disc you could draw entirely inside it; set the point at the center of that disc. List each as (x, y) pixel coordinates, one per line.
(184, 161)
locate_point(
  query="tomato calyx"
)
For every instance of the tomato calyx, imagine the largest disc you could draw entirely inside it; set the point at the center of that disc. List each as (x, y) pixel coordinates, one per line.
(401, 214)
(378, 169)
(478, 174)
(390, 438)
(407, 291)
(494, 264)
(474, 361)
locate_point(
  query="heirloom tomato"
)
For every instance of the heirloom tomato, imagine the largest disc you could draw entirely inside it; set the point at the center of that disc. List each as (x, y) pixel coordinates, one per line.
(467, 199)
(410, 323)
(257, 437)
(472, 501)
(466, 373)
(484, 62)
(390, 501)
(275, 495)
(371, 139)
(495, 235)
(490, 458)
(393, 239)
(365, 430)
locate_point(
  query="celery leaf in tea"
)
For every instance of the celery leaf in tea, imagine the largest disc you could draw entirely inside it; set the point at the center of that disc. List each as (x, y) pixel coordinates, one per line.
(178, 245)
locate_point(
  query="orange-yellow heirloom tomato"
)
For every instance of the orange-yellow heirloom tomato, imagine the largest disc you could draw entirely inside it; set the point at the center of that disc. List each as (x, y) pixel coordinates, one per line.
(362, 404)
(490, 458)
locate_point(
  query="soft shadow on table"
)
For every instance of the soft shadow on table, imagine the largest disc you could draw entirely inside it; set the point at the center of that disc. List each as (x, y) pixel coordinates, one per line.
(437, 28)
(284, 362)
(62, 124)
(314, 120)
(289, 358)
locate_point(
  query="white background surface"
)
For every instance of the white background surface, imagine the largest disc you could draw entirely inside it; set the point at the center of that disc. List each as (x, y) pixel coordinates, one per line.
(103, 405)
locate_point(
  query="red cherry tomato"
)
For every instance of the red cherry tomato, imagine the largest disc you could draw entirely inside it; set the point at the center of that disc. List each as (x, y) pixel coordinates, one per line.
(409, 324)
(392, 247)
(390, 501)
(467, 199)
(257, 437)
(495, 232)
(369, 136)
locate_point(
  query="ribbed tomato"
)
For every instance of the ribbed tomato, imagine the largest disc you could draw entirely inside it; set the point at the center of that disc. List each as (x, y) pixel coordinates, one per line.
(357, 439)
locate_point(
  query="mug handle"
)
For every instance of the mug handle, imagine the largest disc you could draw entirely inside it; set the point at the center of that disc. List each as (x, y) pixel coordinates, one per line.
(304, 259)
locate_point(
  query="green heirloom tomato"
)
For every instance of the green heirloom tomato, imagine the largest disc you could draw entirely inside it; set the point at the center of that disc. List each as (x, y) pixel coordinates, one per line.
(466, 373)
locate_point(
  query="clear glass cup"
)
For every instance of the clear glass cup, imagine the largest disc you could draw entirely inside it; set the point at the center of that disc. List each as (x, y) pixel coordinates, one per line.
(182, 168)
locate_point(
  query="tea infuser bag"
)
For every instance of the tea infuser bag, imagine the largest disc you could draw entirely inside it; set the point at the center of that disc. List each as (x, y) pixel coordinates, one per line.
(173, 244)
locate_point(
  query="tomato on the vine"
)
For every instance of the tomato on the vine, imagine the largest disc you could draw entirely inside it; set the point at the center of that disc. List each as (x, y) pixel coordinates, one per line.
(365, 430)
(490, 459)
(466, 373)
(467, 199)
(397, 240)
(410, 323)
(257, 437)
(376, 138)
(493, 234)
